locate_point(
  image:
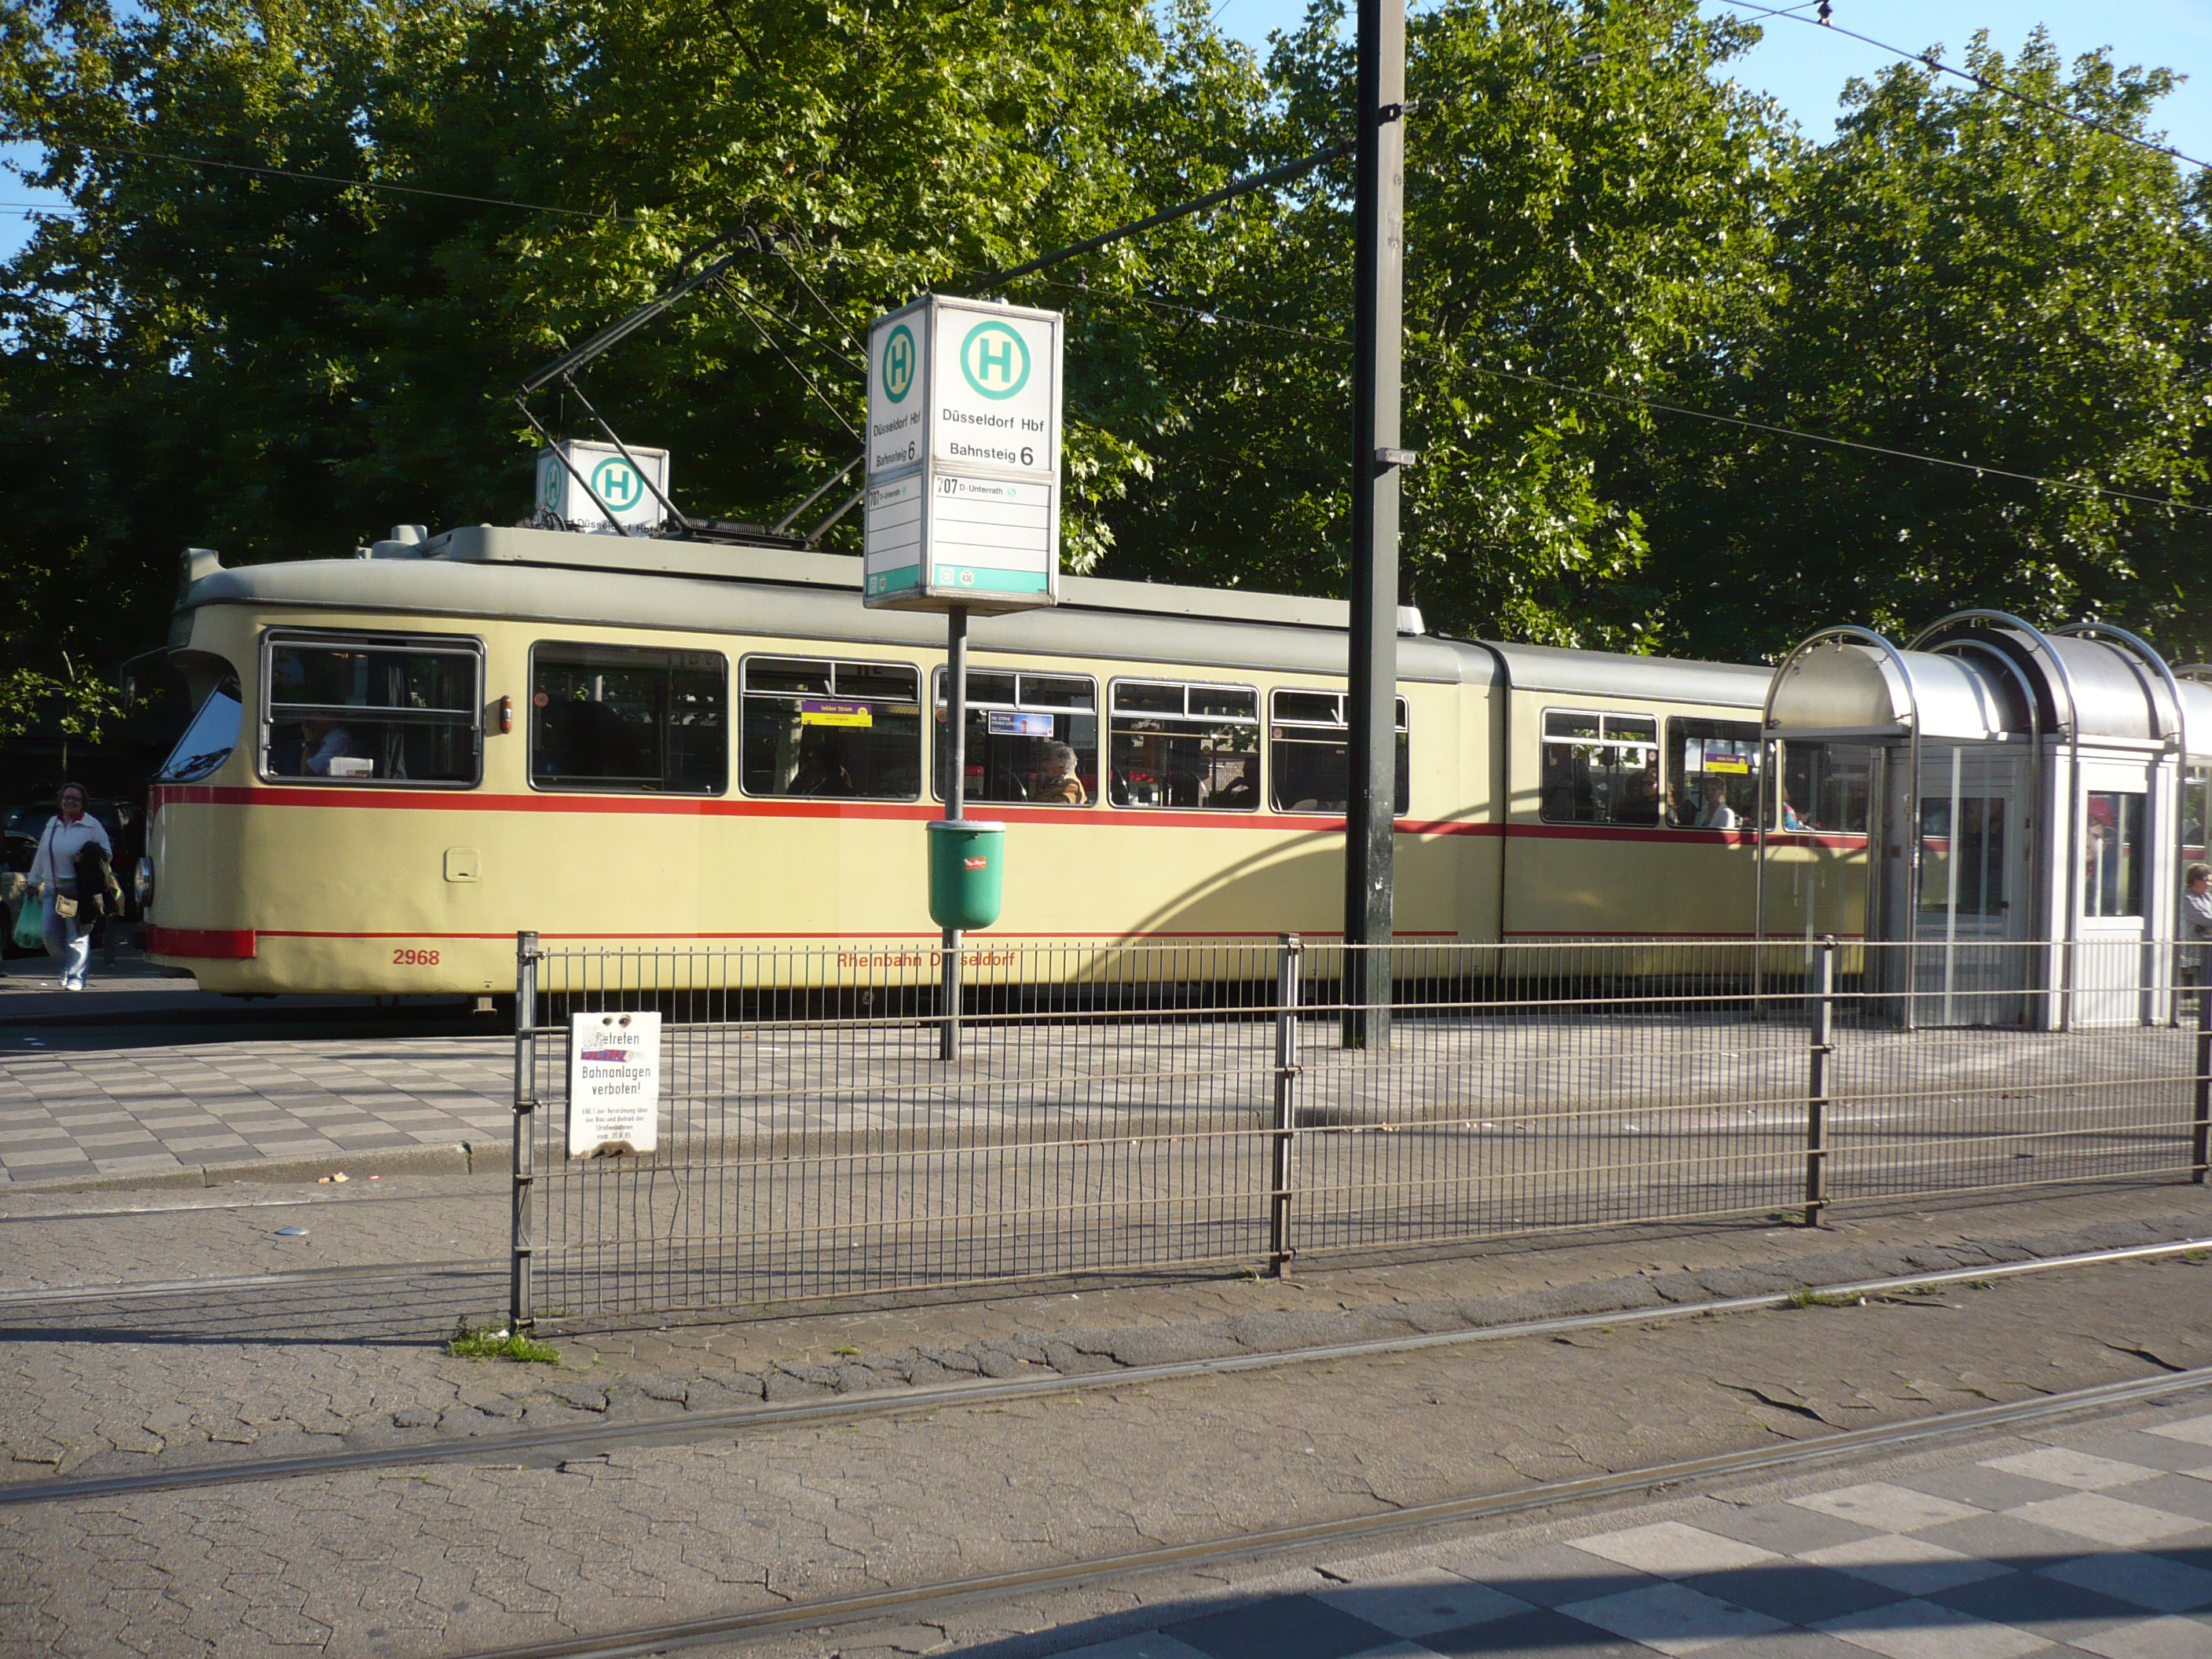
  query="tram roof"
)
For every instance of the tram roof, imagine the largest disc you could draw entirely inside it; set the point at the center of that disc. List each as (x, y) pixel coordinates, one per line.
(1564, 672)
(556, 577)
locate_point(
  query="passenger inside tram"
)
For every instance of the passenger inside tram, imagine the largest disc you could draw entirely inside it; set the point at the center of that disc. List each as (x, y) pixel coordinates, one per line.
(1716, 814)
(327, 750)
(1056, 784)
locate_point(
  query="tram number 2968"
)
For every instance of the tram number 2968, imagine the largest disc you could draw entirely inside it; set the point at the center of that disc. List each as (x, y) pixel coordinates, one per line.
(406, 958)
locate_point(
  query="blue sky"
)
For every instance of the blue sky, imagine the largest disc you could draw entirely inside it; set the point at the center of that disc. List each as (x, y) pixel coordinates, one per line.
(1805, 68)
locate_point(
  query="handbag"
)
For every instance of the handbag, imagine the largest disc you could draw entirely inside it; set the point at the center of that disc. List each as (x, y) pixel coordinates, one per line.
(65, 907)
(30, 922)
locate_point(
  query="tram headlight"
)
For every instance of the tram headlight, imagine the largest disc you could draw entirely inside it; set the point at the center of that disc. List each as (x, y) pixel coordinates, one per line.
(141, 883)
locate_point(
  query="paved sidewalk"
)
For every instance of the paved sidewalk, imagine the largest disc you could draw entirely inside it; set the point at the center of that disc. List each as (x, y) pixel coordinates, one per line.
(2094, 1539)
(151, 1112)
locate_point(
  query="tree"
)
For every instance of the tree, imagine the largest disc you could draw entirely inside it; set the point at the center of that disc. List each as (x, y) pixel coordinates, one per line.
(1584, 206)
(278, 366)
(1982, 280)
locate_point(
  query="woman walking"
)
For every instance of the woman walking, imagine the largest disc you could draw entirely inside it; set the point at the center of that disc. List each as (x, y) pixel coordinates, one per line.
(53, 874)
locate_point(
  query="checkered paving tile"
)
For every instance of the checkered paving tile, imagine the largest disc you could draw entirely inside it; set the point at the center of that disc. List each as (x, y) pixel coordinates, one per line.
(74, 1113)
(2099, 1542)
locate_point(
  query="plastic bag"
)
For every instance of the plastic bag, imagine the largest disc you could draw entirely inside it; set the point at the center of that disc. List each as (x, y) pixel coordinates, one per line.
(31, 921)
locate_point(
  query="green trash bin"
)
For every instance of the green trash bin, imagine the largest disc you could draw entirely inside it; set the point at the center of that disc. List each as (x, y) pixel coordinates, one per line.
(966, 859)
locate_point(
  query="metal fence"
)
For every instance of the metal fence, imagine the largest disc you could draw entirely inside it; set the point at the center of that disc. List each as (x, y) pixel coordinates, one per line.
(1120, 1106)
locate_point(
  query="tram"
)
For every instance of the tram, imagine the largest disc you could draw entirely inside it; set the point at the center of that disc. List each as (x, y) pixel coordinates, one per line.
(399, 760)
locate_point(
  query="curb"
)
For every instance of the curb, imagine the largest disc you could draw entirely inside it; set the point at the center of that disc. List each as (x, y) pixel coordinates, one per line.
(462, 1157)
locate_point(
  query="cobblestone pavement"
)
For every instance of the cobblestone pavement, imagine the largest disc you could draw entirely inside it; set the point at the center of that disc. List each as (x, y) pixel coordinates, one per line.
(463, 1556)
(153, 1111)
(2092, 1538)
(303, 1364)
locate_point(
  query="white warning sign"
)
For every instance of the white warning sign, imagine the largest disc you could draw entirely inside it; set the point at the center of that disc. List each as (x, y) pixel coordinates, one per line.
(614, 1085)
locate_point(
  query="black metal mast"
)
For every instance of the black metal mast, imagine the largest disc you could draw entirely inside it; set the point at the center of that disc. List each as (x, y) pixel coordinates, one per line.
(1378, 279)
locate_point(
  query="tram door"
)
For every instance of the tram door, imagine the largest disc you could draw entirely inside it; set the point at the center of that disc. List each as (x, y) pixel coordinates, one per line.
(1970, 964)
(2112, 885)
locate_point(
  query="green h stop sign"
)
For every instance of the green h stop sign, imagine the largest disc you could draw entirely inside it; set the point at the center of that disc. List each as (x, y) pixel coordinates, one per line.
(994, 360)
(898, 364)
(615, 480)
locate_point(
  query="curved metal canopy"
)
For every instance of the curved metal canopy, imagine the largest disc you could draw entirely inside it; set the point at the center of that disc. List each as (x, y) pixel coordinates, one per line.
(1975, 684)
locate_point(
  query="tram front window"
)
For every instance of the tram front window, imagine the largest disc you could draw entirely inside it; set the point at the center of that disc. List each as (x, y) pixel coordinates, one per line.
(839, 730)
(358, 711)
(209, 739)
(624, 717)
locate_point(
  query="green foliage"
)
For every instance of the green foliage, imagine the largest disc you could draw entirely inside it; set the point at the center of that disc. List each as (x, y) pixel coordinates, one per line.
(1970, 277)
(1597, 219)
(278, 367)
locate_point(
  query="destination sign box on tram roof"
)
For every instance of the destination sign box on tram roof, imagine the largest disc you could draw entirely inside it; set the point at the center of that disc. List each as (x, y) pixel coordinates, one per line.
(963, 456)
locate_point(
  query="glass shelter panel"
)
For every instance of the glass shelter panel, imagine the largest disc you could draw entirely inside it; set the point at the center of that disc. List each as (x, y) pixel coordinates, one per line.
(619, 717)
(1827, 789)
(2112, 854)
(1969, 904)
(1032, 739)
(845, 730)
(2196, 813)
(370, 711)
(1193, 746)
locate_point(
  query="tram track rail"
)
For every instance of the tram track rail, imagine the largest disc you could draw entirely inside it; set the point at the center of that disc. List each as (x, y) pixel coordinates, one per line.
(918, 1599)
(318, 1203)
(539, 1444)
(290, 1277)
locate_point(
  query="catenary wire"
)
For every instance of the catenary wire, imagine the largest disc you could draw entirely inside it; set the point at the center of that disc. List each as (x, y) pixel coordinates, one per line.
(1931, 61)
(800, 276)
(746, 309)
(610, 216)
(1660, 406)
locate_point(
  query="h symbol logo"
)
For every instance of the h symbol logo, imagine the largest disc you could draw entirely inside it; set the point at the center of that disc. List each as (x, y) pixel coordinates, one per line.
(994, 360)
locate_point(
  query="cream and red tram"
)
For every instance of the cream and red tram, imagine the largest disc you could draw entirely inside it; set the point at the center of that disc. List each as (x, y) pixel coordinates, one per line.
(397, 763)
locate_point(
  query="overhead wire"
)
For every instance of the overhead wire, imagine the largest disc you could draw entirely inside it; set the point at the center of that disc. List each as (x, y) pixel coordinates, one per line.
(800, 276)
(745, 307)
(1931, 61)
(1661, 406)
(610, 216)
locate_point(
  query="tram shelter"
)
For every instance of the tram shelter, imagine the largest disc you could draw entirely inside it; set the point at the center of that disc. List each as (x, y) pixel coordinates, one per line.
(1997, 811)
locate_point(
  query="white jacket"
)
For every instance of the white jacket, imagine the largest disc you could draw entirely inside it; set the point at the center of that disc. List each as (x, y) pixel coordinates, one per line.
(58, 848)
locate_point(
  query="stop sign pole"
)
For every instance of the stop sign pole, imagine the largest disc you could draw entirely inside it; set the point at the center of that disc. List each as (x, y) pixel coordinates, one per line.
(1378, 305)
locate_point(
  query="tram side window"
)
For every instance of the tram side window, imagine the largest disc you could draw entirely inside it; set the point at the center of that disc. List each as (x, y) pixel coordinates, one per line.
(1032, 739)
(2112, 854)
(1185, 745)
(1600, 768)
(1310, 752)
(628, 717)
(1713, 779)
(209, 739)
(832, 730)
(356, 712)
(1826, 787)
